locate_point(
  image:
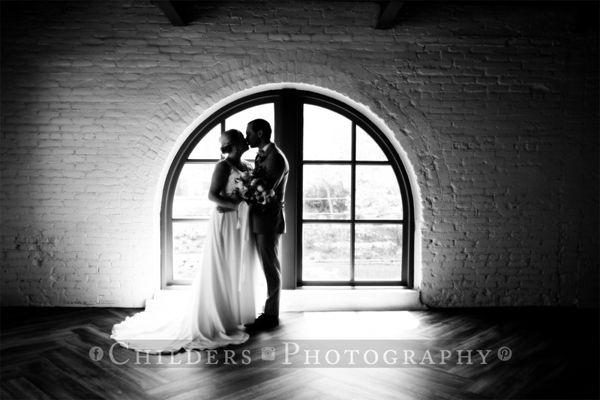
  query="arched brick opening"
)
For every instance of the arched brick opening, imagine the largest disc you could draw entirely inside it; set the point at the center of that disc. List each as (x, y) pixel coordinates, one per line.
(362, 108)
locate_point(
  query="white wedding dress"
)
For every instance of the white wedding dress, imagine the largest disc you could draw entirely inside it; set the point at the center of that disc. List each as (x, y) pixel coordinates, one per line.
(222, 297)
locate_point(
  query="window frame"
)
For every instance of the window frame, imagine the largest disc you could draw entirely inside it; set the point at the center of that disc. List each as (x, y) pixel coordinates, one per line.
(289, 102)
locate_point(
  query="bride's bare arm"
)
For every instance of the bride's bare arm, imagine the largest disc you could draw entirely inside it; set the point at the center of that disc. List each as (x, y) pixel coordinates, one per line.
(218, 183)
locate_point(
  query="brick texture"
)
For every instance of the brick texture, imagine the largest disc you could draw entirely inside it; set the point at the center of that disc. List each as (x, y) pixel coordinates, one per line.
(495, 105)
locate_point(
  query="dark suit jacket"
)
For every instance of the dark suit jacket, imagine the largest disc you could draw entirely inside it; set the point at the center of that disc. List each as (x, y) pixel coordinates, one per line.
(274, 169)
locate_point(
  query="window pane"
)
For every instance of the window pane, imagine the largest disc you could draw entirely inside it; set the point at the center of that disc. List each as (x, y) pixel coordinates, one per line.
(209, 146)
(378, 252)
(327, 134)
(326, 191)
(240, 120)
(326, 252)
(188, 243)
(377, 193)
(191, 193)
(366, 148)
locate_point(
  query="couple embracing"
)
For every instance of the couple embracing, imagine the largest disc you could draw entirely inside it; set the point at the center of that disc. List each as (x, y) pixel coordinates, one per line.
(244, 231)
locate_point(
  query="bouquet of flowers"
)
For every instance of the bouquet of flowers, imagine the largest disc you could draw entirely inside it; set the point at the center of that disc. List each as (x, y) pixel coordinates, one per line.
(253, 190)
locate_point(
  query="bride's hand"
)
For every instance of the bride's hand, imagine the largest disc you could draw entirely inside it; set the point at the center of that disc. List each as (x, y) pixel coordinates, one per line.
(235, 197)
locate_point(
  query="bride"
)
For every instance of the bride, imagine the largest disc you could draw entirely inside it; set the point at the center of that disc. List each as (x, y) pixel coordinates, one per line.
(223, 295)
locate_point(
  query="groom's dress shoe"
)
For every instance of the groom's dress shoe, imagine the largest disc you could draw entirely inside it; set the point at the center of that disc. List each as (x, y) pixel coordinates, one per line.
(262, 323)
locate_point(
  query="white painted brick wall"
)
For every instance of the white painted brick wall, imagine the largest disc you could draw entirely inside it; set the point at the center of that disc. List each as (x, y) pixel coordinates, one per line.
(496, 107)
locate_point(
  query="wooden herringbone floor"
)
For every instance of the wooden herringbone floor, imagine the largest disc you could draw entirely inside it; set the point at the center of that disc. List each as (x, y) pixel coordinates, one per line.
(45, 354)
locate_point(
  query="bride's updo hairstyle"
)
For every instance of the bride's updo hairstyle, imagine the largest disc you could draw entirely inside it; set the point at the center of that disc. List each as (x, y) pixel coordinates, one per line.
(229, 138)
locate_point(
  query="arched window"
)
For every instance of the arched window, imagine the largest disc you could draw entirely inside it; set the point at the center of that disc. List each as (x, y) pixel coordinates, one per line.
(349, 209)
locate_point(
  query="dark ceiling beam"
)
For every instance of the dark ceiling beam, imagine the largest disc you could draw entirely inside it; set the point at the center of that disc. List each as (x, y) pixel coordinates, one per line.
(389, 14)
(174, 12)
(182, 12)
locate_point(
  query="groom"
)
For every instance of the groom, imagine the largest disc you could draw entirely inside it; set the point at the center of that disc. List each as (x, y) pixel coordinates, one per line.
(268, 221)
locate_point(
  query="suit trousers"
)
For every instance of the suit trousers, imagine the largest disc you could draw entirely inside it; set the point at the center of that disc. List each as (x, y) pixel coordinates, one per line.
(267, 245)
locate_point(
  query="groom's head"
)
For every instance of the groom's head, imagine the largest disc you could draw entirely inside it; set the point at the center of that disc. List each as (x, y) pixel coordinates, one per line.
(258, 132)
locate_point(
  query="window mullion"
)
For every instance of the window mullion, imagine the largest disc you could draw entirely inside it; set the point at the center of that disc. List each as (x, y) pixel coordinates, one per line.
(352, 201)
(288, 127)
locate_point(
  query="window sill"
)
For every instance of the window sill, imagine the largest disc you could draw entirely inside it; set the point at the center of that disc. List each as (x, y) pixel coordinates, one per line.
(341, 298)
(348, 298)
